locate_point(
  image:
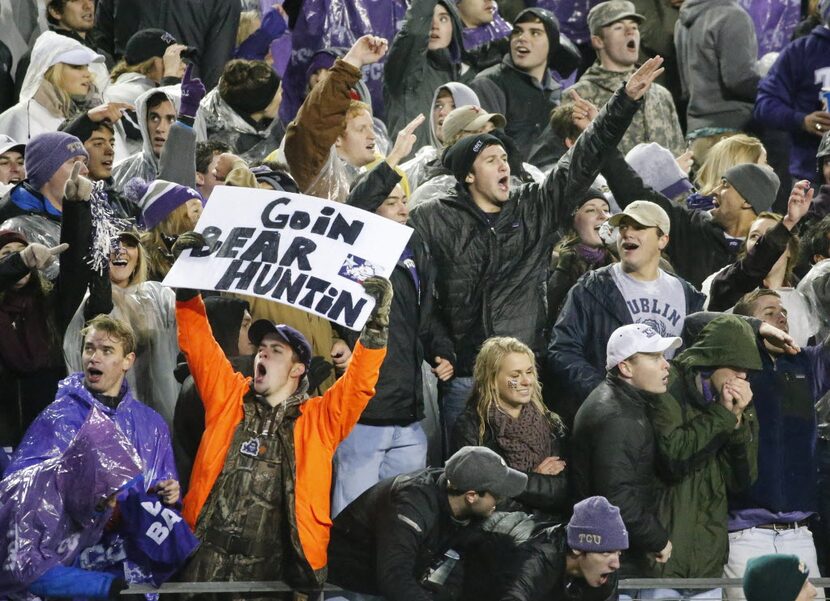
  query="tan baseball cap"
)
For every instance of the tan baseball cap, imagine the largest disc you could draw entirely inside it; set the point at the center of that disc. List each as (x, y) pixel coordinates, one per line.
(645, 213)
(469, 118)
(605, 13)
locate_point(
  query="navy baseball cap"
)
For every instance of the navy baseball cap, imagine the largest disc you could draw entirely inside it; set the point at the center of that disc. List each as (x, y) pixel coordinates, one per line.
(293, 338)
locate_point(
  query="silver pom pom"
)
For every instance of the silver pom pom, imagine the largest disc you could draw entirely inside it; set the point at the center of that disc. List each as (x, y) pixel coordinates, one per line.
(105, 228)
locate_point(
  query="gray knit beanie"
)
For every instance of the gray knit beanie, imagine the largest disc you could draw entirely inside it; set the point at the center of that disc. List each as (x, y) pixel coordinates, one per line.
(757, 184)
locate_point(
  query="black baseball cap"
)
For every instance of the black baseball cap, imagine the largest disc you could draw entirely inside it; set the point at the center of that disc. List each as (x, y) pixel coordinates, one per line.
(293, 338)
(147, 44)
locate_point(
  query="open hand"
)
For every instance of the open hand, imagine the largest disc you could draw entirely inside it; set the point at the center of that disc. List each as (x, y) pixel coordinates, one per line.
(404, 142)
(798, 204)
(640, 82)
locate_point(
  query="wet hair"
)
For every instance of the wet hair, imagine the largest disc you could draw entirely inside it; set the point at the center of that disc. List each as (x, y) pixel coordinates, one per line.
(356, 107)
(156, 99)
(727, 153)
(561, 122)
(205, 151)
(115, 328)
(485, 391)
(746, 305)
(815, 241)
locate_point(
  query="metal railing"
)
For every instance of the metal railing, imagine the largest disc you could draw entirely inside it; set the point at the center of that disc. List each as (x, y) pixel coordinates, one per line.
(683, 584)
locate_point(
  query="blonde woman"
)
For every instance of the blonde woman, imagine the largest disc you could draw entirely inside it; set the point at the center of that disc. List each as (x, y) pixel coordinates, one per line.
(731, 151)
(59, 86)
(505, 413)
(167, 210)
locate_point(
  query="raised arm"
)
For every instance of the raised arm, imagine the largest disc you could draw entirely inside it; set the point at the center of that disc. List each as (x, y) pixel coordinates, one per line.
(577, 170)
(322, 117)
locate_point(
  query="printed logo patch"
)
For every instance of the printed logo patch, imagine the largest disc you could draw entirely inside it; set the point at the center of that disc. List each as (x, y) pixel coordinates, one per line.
(357, 269)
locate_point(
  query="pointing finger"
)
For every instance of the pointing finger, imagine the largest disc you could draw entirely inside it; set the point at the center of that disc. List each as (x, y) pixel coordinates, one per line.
(56, 250)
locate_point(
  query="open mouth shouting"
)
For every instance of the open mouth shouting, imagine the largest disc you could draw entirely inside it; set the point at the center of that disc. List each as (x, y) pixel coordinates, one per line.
(260, 373)
(628, 246)
(93, 374)
(504, 183)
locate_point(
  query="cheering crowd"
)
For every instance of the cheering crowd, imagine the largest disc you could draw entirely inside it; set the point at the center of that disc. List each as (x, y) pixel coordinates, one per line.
(601, 355)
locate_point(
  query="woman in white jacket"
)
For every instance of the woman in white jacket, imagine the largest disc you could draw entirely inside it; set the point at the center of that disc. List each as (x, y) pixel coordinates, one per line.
(58, 86)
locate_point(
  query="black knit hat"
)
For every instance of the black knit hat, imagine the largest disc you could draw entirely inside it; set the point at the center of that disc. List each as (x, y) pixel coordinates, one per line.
(459, 157)
(147, 44)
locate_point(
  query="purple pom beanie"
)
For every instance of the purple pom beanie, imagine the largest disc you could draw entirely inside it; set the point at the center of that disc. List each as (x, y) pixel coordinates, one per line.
(161, 198)
(45, 153)
(597, 527)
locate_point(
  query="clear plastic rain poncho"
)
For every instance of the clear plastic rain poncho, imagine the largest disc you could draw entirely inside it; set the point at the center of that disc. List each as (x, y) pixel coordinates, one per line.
(150, 309)
(48, 511)
(144, 164)
(37, 228)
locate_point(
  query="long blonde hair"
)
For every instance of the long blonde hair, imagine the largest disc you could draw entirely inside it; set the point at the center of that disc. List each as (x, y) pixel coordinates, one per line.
(144, 67)
(727, 153)
(249, 22)
(485, 392)
(156, 251)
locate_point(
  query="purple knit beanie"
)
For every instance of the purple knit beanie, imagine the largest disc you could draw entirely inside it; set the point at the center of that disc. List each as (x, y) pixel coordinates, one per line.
(158, 198)
(45, 153)
(597, 527)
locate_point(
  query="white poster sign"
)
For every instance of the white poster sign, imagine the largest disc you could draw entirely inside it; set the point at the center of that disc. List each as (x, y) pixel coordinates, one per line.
(299, 250)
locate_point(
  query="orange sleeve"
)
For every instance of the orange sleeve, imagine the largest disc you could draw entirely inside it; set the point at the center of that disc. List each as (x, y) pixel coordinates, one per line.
(216, 380)
(336, 412)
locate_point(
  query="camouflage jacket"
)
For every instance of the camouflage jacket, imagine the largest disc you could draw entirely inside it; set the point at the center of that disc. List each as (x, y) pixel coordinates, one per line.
(656, 122)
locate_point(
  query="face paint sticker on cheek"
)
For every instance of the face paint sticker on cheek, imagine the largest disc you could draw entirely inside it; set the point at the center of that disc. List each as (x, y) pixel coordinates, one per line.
(513, 383)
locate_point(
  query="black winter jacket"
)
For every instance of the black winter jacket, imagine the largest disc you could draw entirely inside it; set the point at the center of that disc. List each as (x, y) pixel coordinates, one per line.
(490, 279)
(413, 335)
(546, 493)
(594, 308)
(542, 573)
(748, 273)
(697, 246)
(387, 538)
(614, 457)
(208, 25)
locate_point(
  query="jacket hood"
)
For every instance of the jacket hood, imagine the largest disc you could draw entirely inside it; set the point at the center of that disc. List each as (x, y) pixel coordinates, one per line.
(726, 341)
(174, 95)
(563, 56)
(456, 47)
(461, 95)
(692, 9)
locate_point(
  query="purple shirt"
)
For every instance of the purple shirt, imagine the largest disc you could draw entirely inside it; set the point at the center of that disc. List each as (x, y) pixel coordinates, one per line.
(750, 518)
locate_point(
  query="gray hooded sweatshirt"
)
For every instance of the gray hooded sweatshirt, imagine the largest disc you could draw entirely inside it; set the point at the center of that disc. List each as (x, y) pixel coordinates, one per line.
(717, 52)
